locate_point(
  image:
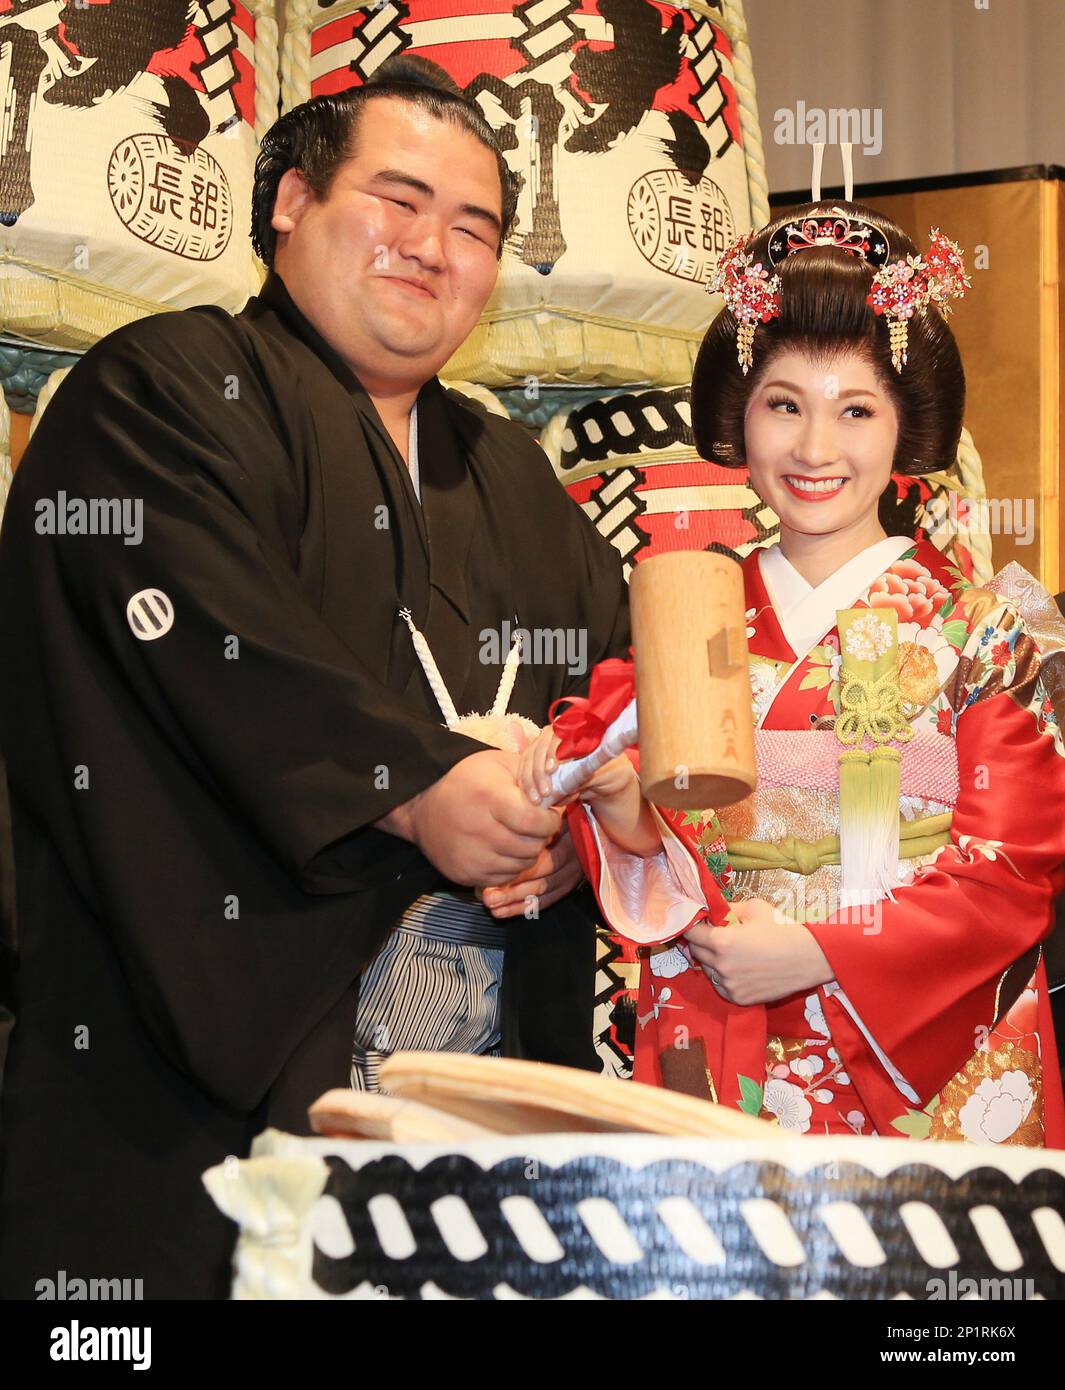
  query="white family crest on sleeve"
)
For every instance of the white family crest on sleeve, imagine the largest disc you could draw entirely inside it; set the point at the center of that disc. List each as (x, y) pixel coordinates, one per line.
(150, 614)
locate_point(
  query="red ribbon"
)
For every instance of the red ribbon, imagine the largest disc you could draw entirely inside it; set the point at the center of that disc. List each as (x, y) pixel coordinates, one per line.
(582, 724)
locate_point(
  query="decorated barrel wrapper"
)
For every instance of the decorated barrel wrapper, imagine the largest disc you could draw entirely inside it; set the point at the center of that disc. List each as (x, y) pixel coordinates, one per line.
(635, 1216)
(633, 128)
(629, 460)
(127, 153)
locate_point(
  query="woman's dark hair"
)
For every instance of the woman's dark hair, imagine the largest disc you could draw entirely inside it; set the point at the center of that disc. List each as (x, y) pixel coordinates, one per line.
(317, 136)
(824, 310)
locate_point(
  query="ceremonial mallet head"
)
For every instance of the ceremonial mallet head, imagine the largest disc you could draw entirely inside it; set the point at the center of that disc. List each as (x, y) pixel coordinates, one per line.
(693, 693)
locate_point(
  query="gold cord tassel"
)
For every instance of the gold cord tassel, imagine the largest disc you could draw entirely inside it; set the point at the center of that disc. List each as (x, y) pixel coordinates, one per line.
(854, 794)
(870, 782)
(882, 841)
(869, 789)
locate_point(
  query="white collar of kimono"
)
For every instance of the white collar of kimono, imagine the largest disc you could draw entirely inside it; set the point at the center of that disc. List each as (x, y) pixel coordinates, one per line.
(412, 451)
(807, 612)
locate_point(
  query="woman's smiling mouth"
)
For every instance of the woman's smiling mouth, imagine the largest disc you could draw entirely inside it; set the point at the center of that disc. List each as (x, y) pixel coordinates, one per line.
(813, 489)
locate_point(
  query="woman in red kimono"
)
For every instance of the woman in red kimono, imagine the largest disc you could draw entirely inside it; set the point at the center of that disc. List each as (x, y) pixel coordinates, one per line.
(855, 948)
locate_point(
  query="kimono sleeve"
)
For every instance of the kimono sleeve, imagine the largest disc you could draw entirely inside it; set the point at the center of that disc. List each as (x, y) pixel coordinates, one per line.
(204, 624)
(649, 899)
(914, 989)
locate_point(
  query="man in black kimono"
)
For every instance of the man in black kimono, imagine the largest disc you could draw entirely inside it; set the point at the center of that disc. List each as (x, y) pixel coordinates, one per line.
(228, 774)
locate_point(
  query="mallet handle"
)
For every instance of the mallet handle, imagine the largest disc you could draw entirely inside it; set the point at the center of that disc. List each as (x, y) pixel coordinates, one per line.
(570, 776)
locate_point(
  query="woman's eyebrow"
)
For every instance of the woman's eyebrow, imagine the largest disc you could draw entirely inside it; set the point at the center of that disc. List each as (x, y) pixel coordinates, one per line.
(838, 395)
(785, 385)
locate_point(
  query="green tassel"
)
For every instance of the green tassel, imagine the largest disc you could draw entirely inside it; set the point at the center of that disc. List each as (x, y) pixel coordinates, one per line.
(853, 815)
(869, 782)
(869, 788)
(885, 791)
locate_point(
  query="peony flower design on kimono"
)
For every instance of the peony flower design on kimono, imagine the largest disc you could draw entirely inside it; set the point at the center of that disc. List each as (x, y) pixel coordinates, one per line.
(997, 1109)
(785, 1103)
(913, 591)
(996, 1099)
(927, 660)
(711, 845)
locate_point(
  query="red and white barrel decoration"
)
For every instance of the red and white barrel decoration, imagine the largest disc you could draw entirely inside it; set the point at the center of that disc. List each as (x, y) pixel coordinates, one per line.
(127, 149)
(630, 462)
(638, 164)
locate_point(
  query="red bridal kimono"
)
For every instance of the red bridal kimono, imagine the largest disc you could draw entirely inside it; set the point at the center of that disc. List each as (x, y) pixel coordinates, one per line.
(937, 1023)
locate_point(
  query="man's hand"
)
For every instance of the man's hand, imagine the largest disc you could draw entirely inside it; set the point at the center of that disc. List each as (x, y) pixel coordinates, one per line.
(556, 872)
(475, 824)
(760, 957)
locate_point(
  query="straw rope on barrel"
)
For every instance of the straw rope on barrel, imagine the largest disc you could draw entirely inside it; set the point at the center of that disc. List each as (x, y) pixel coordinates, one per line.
(634, 1216)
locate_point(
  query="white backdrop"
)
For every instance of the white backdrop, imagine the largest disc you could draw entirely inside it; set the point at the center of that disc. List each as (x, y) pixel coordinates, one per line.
(960, 87)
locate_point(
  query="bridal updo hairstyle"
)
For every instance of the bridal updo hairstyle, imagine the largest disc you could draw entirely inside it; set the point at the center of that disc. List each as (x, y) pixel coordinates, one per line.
(823, 310)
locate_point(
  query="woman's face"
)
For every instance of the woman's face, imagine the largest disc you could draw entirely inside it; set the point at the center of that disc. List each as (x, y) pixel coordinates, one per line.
(820, 440)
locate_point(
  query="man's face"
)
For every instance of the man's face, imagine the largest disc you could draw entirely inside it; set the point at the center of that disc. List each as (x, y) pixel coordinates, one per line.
(395, 264)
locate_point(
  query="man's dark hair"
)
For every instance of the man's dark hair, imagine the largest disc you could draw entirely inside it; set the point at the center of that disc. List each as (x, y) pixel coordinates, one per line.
(317, 136)
(824, 309)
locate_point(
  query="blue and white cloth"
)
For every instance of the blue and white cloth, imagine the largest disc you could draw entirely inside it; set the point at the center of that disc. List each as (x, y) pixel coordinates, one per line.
(433, 986)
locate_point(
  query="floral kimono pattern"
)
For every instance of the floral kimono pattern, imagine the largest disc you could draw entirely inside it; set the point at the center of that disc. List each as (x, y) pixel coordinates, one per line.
(937, 1023)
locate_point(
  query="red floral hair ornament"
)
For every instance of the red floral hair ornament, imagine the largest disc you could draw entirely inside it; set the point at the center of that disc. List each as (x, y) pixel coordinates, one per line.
(751, 295)
(901, 287)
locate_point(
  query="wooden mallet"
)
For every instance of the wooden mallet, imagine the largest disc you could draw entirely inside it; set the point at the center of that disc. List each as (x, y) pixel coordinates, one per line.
(692, 712)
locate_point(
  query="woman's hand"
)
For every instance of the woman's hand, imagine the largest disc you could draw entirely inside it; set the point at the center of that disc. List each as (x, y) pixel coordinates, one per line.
(536, 762)
(614, 791)
(760, 957)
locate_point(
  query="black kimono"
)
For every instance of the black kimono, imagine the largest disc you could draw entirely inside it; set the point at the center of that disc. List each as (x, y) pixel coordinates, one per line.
(200, 730)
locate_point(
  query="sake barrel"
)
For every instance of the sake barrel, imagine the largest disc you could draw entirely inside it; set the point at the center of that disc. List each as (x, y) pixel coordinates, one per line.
(639, 164)
(633, 1216)
(630, 461)
(126, 159)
